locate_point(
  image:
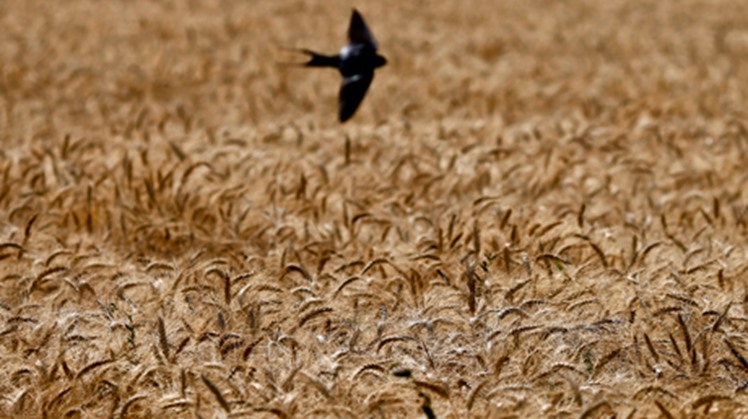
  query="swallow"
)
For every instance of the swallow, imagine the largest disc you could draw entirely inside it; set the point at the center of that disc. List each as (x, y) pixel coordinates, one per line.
(356, 63)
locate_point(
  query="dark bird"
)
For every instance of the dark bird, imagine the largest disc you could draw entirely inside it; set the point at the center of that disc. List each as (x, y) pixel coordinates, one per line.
(356, 63)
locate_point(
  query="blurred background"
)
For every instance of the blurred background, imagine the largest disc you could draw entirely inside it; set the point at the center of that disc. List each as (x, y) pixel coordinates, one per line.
(90, 62)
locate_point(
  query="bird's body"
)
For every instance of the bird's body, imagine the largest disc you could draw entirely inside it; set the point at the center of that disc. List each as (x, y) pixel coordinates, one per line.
(356, 63)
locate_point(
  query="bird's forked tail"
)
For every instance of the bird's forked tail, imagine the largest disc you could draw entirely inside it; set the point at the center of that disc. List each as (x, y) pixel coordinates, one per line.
(318, 60)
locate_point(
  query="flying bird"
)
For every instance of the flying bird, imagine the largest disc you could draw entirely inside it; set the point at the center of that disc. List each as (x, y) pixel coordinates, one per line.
(356, 63)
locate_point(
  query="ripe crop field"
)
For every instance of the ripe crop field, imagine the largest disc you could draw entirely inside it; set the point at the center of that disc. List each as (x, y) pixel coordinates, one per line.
(539, 210)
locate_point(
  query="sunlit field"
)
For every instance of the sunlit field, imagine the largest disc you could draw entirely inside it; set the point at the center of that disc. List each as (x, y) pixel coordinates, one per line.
(539, 210)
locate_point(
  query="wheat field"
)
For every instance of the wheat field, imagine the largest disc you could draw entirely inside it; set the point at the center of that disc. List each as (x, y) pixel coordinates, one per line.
(539, 210)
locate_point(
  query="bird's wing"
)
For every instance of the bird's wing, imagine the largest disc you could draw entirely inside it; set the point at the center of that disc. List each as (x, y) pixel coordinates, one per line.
(358, 32)
(352, 93)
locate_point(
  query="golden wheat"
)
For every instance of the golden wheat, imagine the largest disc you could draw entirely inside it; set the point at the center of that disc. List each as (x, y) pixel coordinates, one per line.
(539, 210)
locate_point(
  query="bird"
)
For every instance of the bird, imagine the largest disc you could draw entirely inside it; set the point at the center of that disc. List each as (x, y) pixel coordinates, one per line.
(356, 63)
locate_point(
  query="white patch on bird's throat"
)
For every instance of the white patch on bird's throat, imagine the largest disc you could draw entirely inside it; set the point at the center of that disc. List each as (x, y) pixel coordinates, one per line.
(345, 52)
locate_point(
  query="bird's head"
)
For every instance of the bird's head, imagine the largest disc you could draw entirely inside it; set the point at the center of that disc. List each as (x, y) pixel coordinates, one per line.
(379, 61)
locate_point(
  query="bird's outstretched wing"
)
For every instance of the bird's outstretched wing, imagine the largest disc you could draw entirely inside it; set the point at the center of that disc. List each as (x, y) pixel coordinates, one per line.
(359, 33)
(352, 93)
